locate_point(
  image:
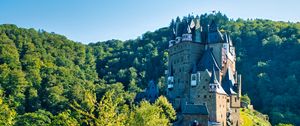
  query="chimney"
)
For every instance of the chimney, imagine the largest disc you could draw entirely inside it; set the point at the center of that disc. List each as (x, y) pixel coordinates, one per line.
(235, 77)
(239, 81)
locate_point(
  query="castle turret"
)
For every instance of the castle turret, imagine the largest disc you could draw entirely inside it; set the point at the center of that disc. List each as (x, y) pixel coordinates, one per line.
(214, 85)
(197, 29)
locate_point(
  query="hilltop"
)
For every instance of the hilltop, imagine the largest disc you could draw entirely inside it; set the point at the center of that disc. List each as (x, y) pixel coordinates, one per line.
(46, 77)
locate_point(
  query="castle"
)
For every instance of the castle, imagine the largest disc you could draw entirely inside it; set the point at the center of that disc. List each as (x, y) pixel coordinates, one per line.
(202, 82)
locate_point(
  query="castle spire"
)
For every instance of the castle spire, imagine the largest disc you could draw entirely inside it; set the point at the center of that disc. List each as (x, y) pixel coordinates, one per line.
(213, 27)
(214, 85)
(214, 34)
(228, 82)
(213, 79)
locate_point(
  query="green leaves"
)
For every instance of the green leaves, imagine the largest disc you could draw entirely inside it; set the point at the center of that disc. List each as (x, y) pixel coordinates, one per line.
(7, 114)
(44, 72)
(38, 118)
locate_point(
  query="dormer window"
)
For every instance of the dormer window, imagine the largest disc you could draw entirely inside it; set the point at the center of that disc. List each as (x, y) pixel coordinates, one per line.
(193, 80)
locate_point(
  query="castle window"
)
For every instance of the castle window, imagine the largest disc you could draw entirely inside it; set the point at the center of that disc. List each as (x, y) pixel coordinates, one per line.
(194, 77)
(227, 100)
(198, 96)
(235, 110)
(209, 96)
(203, 87)
(204, 96)
(235, 99)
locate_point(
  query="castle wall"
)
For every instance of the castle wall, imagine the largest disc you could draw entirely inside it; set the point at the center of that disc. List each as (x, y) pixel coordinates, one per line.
(221, 108)
(235, 116)
(199, 94)
(234, 106)
(182, 57)
(235, 101)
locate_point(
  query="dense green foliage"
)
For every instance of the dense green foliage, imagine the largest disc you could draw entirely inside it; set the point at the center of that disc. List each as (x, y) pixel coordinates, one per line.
(250, 117)
(46, 79)
(267, 57)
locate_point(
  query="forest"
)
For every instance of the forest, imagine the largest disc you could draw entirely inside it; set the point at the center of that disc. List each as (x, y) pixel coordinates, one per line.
(47, 79)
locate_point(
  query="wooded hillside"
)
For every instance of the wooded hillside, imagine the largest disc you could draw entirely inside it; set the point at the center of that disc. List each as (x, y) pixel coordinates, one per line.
(44, 77)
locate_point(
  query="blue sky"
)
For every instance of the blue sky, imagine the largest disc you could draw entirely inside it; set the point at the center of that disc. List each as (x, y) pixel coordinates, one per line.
(98, 20)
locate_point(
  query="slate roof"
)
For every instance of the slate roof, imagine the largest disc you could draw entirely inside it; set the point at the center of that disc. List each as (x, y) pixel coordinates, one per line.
(214, 34)
(228, 83)
(207, 61)
(194, 69)
(186, 28)
(213, 79)
(152, 91)
(213, 27)
(195, 109)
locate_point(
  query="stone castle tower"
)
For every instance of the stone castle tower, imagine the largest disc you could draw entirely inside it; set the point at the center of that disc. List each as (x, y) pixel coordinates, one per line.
(202, 82)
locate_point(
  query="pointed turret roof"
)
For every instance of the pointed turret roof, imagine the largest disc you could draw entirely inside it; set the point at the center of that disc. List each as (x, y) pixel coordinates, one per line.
(228, 83)
(214, 34)
(213, 79)
(213, 27)
(152, 91)
(207, 61)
